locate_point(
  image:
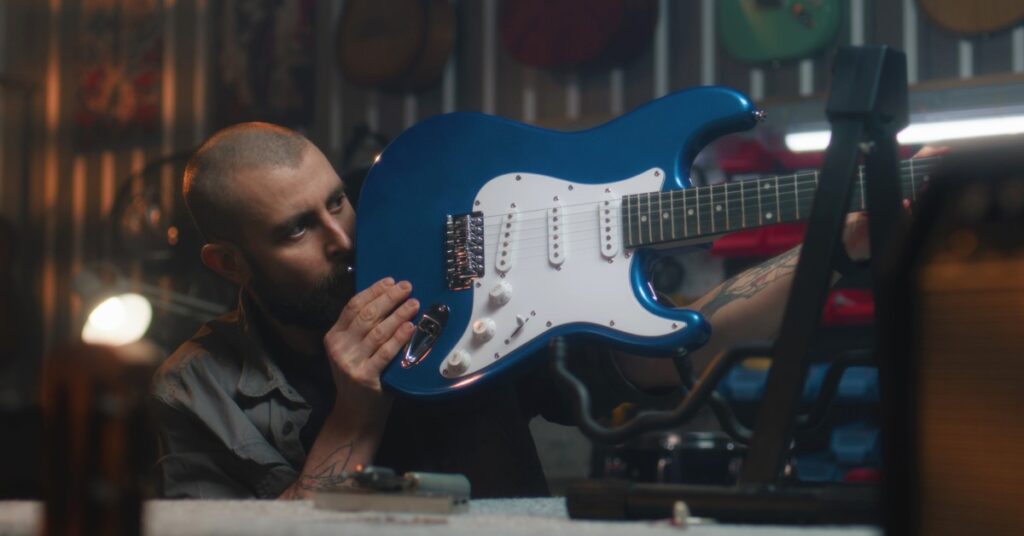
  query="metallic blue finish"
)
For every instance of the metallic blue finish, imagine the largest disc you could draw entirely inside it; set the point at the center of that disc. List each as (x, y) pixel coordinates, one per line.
(436, 168)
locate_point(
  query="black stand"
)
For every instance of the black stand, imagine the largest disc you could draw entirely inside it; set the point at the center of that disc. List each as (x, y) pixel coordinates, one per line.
(867, 106)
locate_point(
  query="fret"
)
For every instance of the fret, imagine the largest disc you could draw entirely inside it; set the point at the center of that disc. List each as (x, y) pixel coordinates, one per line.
(770, 216)
(713, 209)
(672, 212)
(721, 212)
(686, 232)
(913, 188)
(708, 210)
(860, 173)
(691, 212)
(649, 214)
(814, 189)
(760, 209)
(778, 208)
(640, 219)
(629, 221)
(661, 218)
(796, 195)
(727, 207)
(780, 192)
(743, 204)
(696, 191)
(645, 217)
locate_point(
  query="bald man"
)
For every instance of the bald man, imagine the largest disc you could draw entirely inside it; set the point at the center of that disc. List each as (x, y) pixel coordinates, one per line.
(281, 396)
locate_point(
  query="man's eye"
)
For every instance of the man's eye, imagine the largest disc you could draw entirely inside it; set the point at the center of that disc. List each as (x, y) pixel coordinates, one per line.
(297, 231)
(336, 203)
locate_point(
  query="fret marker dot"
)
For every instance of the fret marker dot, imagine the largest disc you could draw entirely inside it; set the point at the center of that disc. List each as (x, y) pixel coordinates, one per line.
(689, 212)
(643, 218)
(718, 208)
(768, 215)
(767, 186)
(664, 216)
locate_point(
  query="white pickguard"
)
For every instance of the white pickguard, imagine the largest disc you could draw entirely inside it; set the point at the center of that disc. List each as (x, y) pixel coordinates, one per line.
(546, 292)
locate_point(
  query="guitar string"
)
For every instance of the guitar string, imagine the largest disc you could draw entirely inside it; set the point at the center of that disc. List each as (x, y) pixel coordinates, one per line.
(784, 210)
(918, 167)
(594, 244)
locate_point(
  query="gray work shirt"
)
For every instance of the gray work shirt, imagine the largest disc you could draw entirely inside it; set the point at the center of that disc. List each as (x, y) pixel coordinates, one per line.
(228, 421)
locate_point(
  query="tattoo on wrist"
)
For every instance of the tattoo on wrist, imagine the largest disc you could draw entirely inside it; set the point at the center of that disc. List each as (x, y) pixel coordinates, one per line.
(747, 284)
(332, 473)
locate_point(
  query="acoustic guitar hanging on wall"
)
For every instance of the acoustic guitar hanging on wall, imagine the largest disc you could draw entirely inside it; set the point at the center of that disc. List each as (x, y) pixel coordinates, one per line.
(971, 17)
(775, 30)
(398, 45)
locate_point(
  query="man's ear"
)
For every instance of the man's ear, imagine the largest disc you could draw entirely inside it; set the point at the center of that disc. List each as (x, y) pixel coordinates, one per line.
(226, 260)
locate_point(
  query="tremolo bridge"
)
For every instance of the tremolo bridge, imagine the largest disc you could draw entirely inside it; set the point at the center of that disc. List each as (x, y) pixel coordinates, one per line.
(464, 249)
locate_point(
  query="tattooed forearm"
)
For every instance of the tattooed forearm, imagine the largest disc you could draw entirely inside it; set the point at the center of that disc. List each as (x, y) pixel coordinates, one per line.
(331, 473)
(749, 283)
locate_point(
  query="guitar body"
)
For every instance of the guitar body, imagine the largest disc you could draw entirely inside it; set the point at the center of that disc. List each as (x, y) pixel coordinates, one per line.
(776, 30)
(971, 17)
(537, 214)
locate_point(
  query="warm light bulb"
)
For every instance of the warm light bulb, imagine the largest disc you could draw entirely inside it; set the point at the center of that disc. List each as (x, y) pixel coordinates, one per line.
(118, 320)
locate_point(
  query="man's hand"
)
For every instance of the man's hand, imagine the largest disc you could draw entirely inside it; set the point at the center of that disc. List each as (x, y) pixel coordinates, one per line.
(855, 233)
(372, 328)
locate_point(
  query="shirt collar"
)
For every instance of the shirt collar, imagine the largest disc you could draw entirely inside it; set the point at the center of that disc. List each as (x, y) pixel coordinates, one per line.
(260, 374)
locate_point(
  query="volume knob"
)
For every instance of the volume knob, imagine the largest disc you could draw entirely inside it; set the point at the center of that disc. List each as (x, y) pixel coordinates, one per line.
(501, 293)
(456, 363)
(483, 330)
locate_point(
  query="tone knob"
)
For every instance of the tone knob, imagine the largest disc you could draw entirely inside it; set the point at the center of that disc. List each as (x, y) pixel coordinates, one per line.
(501, 293)
(483, 330)
(456, 363)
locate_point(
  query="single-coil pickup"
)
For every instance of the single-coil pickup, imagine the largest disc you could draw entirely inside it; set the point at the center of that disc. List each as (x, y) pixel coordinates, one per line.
(556, 236)
(608, 224)
(506, 241)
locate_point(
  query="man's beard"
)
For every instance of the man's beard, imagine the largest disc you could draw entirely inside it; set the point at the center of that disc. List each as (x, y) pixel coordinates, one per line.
(317, 309)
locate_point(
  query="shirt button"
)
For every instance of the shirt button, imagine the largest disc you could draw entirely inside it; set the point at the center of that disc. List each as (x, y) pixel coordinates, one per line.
(288, 427)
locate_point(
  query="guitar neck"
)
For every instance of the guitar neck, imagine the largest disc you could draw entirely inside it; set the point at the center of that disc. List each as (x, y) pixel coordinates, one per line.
(706, 211)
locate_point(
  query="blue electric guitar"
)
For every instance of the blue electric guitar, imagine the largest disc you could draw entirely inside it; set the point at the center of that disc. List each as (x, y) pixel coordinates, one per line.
(512, 234)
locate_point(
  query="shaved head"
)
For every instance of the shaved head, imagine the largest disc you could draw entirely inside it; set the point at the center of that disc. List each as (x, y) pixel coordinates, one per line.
(221, 163)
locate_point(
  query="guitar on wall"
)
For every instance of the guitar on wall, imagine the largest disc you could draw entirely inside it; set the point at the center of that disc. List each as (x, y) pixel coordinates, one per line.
(775, 30)
(972, 17)
(512, 234)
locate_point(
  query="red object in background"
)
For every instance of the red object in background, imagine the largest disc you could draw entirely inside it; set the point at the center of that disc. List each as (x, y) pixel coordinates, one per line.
(762, 242)
(863, 475)
(849, 307)
(751, 157)
(844, 307)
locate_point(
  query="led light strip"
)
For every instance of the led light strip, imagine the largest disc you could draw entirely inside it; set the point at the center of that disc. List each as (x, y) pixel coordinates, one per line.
(922, 132)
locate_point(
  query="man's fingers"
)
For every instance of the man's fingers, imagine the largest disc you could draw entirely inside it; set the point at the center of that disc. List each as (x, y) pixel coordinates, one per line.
(367, 359)
(390, 349)
(361, 300)
(375, 311)
(929, 150)
(385, 329)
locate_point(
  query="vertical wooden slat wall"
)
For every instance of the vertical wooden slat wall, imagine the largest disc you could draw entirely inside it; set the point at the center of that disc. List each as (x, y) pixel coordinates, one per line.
(64, 225)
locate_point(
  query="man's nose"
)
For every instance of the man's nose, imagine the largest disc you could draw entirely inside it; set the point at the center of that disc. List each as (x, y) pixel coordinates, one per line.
(338, 241)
